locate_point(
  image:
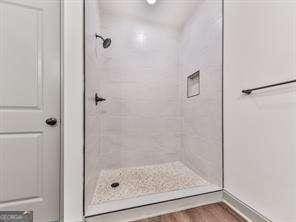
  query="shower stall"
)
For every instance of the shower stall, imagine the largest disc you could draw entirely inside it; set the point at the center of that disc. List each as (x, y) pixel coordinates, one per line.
(153, 101)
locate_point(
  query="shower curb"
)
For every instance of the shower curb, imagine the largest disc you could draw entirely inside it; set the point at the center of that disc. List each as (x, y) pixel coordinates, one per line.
(142, 212)
(244, 210)
(152, 210)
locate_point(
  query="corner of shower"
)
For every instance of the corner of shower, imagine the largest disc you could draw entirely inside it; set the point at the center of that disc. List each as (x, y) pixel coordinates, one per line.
(153, 104)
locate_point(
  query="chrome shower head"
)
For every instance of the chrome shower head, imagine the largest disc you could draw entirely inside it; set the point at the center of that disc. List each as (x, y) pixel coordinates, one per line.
(106, 42)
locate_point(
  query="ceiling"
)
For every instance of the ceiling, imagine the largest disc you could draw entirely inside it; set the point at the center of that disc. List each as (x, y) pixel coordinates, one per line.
(173, 13)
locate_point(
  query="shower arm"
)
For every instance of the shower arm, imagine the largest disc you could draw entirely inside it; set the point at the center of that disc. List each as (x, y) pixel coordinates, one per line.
(98, 36)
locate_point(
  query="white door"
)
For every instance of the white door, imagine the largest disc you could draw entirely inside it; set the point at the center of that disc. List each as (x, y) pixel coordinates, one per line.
(29, 95)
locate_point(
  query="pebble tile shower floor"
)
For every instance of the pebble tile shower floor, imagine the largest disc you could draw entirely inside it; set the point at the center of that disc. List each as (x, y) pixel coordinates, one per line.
(139, 181)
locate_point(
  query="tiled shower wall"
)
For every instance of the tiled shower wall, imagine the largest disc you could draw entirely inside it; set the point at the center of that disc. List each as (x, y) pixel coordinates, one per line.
(93, 53)
(201, 49)
(140, 121)
(147, 117)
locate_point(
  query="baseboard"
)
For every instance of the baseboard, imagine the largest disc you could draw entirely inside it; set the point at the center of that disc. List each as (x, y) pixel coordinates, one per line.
(153, 210)
(243, 209)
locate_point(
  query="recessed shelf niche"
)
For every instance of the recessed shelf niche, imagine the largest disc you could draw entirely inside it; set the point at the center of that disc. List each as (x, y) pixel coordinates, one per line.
(193, 84)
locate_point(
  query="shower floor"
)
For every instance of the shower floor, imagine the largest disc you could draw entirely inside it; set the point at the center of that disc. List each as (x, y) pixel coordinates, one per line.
(134, 182)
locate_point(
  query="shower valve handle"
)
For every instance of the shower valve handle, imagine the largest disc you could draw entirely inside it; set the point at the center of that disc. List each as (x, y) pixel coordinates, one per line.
(98, 99)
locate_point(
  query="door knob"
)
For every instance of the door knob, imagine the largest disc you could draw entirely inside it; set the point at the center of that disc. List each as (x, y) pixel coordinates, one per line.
(51, 121)
(98, 99)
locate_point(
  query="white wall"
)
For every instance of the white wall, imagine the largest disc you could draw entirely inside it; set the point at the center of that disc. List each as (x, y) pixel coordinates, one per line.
(201, 49)
(73, 110)
(260, 142)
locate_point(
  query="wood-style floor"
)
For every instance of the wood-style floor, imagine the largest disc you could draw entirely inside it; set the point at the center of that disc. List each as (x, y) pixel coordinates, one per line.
(218, 212)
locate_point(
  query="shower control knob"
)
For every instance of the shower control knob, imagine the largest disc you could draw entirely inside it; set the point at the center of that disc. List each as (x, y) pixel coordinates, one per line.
(98, 99)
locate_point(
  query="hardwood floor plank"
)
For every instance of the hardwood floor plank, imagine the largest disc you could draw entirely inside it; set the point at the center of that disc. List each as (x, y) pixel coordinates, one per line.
(230, 211)
(218, 212)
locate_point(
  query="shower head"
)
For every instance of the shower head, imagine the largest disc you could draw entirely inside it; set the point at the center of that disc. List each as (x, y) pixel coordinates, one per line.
(106, 42)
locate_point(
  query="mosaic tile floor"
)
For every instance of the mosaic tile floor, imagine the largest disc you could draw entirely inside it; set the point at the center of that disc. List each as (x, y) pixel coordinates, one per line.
(140, 181)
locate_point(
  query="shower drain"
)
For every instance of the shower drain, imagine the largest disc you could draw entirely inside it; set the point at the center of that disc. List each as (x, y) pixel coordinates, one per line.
(114, 185)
